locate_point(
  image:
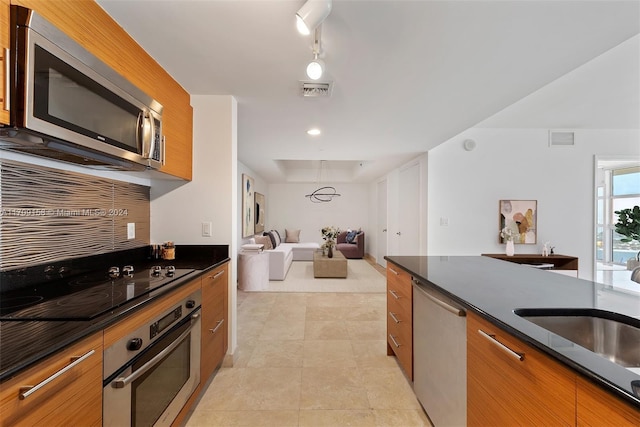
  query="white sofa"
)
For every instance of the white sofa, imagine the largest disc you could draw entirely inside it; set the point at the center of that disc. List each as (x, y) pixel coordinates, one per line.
(281, 257)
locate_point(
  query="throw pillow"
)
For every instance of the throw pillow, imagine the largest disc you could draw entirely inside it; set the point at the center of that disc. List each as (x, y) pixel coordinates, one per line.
(278, 238)
(291, 236)
(274, 236)
(264, 240)
(351, 235)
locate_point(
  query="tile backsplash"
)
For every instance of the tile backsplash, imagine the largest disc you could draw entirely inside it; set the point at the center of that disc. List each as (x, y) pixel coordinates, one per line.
(49, 215)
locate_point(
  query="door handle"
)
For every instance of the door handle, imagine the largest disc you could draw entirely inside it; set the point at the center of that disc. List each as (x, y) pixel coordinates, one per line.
(398, 233)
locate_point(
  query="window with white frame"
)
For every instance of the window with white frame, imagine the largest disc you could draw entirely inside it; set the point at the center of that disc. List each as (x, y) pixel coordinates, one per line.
(619, 189)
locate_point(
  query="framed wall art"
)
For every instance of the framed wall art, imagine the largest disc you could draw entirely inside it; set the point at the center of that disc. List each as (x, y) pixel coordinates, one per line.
(518, 221)
(248, 206)
(259, 212)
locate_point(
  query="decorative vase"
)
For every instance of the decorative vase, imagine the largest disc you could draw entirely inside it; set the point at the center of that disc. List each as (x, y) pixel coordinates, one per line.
(330, 252)
(510, 249)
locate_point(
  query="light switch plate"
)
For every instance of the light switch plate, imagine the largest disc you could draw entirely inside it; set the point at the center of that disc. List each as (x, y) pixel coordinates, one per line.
(206, 229)
(131, 230)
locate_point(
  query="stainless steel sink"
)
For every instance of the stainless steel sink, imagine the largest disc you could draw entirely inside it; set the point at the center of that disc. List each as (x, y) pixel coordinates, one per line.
(607, 334)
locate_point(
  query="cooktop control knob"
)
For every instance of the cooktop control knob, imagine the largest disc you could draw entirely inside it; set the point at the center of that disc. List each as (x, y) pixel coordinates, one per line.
(156, 270)
(114, 272)
(134, 344)
(171, 270)
(127, 270)
(190, 304)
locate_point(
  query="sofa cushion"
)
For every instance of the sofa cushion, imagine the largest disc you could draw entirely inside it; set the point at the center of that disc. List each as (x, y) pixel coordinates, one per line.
(264, 240)
(351, 235)
(274, 236)
(291, 236)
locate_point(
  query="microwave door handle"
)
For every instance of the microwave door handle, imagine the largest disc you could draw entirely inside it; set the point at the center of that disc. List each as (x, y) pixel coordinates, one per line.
(140, 130)
(145, 134)
(152, 136)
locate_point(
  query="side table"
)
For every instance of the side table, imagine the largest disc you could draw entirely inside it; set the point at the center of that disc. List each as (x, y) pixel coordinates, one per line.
(253, 270)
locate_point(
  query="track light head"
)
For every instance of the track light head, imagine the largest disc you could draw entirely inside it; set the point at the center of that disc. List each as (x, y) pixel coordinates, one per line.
(311, 14)
(315, 69)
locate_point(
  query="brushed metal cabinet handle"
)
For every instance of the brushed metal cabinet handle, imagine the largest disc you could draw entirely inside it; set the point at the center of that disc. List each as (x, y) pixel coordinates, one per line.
(218, 274)
(492, 338)
(28, 390)
(393, 271)
(394, 340)
(214, 330)
(393, 316)
(395, 295)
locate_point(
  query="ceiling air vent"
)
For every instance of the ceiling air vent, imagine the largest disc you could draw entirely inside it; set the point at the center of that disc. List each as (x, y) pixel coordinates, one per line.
(316, 89)
(561, 138)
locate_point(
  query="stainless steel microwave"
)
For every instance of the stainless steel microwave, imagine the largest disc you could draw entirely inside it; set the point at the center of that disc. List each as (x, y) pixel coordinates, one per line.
(67, 104)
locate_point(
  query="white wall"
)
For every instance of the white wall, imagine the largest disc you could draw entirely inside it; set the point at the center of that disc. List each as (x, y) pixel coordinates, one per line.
(287, 207)
(178, 209)
(465, 187)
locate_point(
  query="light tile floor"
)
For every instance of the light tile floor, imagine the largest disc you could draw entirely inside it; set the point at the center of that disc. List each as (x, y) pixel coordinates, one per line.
(310, 359)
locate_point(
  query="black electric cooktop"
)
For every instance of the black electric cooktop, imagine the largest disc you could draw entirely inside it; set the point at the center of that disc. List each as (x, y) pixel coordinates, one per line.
(86, 296)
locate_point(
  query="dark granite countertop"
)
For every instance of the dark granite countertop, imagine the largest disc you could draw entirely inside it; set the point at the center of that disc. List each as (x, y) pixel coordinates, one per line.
(495, 288)
(24, 343)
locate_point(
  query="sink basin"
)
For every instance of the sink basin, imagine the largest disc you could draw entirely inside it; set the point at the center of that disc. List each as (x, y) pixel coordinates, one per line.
(607, 334)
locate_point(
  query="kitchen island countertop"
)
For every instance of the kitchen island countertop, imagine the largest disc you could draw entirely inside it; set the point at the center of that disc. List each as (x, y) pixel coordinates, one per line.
(495, 288)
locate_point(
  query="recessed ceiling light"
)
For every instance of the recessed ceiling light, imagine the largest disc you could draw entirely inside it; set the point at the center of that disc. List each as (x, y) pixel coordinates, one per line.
(314, 132)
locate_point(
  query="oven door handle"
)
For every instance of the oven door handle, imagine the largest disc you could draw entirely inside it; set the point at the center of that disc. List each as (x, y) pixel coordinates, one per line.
(124, 381)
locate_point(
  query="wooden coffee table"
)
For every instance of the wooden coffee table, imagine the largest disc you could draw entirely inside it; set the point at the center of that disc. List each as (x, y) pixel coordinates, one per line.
(323, 266)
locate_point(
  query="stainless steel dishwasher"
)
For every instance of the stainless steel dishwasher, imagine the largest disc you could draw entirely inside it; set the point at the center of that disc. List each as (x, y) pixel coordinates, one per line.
(439, 356)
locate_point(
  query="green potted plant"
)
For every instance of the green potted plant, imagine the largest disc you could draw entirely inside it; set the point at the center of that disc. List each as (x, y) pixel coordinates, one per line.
(628, 225)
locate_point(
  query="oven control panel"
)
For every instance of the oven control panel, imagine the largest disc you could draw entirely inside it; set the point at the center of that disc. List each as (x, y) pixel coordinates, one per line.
(168, 320)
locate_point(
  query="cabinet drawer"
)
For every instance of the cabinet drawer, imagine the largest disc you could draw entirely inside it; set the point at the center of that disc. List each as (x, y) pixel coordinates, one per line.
(214, 320)
(511, 383)
(401, 309)
(398, 281)
(399, 339)
(74, 397)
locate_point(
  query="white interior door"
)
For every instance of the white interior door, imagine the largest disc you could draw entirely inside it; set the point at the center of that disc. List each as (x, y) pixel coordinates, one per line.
(408, 233)
(381, 231)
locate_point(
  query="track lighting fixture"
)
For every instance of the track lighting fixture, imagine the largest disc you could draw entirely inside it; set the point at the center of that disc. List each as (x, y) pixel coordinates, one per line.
(315, 68)
(311, 15)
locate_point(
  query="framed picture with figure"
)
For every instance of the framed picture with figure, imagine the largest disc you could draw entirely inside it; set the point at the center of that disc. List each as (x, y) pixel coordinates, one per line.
(248, 206)
(259, 213)
(518, 220)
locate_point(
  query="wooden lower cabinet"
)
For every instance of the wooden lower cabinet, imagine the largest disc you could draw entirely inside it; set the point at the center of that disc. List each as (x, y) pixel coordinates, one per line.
(214, 320)
(504, 390)
(74, 398)
(597, 407)
(400, 317)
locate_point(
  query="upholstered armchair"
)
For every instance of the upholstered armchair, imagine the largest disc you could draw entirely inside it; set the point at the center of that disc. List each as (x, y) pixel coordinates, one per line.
(351, 250)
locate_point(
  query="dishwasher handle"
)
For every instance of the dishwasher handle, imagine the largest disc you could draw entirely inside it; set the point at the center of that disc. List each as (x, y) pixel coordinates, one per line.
(460, 312)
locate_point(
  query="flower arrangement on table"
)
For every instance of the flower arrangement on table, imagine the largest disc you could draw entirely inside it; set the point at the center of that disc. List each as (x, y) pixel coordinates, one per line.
(507, 234)
(329, 235)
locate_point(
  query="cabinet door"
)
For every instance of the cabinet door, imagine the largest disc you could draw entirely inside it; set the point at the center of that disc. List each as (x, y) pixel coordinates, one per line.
(511, 383)
(4, 55)
(597, 407)
(214, 320)
(400, 317)
(74, 397)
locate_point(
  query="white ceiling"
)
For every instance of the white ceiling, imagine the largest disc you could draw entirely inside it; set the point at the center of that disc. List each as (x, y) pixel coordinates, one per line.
(407, 75)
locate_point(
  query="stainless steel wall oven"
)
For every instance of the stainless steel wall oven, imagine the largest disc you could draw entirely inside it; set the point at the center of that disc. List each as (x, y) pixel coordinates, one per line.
(150, 374)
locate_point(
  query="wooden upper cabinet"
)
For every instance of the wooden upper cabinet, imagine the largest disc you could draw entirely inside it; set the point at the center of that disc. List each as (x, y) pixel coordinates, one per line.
(4, 49)
(89, 25)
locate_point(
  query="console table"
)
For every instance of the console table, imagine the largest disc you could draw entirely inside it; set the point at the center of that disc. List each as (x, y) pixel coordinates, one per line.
(562, 264)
